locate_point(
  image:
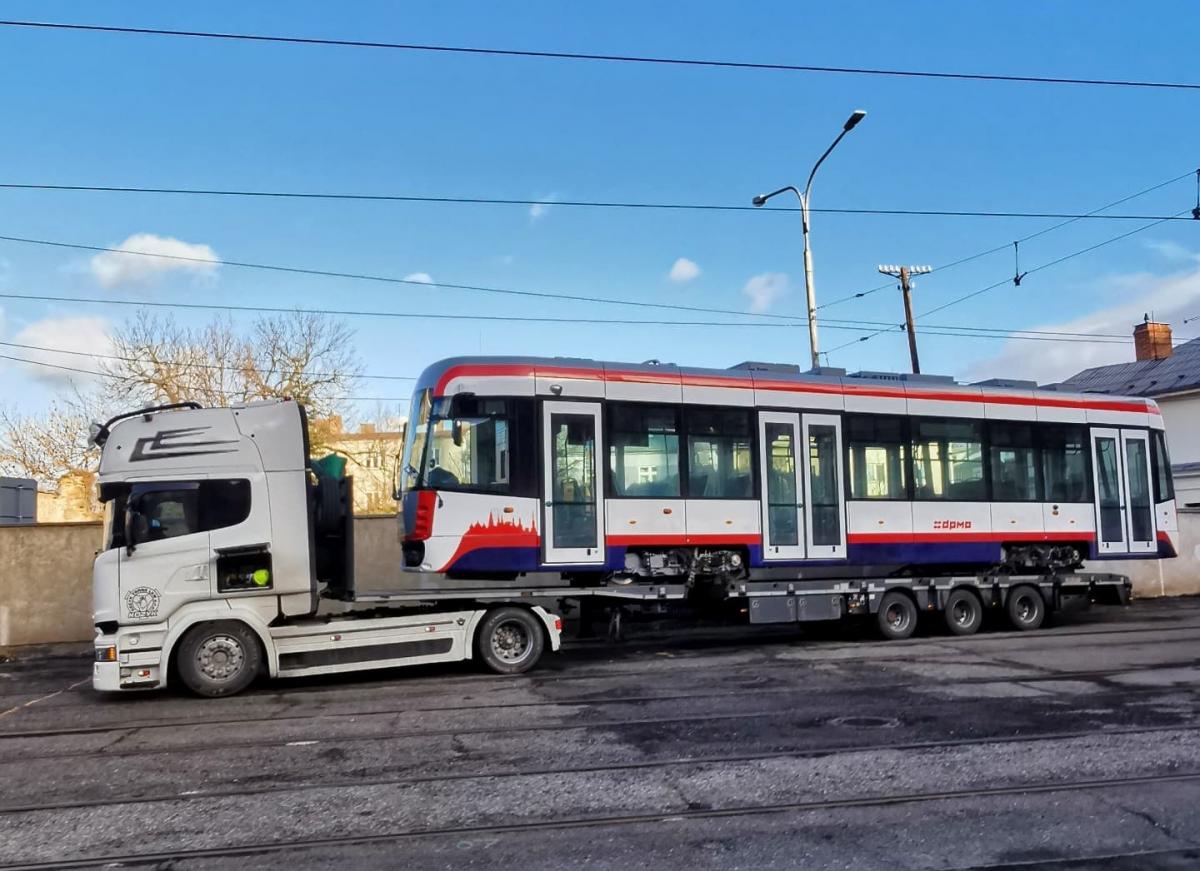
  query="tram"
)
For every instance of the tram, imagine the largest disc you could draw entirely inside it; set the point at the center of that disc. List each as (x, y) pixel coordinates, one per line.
(600, 473)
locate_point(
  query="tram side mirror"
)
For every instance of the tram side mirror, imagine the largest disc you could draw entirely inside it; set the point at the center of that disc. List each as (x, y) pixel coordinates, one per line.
(456, 433)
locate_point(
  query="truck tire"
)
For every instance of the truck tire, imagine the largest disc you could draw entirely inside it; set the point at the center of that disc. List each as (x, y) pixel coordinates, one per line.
(510, 640)
(219, 659)
(964, 612)
(897, 616)
(1026, 607)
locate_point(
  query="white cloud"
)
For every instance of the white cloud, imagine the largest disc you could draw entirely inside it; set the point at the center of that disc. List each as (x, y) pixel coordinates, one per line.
(1166, 298)
(683, 270)
(86, 336)
(419, 277)
(112, 268)
(541, 207)
(763, 290)
(1173, 252)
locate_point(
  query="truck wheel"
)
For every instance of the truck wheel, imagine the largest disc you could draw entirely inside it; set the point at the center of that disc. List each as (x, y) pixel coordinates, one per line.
(219, 659)
(510, 640)
(1026, 607)
(897, 616)
(964, 612)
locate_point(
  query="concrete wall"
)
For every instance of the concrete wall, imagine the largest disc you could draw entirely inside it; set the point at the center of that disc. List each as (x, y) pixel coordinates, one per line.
(46, 576)
(1168, 577)
(46, 582)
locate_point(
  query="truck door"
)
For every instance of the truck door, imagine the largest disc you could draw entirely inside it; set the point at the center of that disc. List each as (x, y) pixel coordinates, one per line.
(573, 520)
(171, 556)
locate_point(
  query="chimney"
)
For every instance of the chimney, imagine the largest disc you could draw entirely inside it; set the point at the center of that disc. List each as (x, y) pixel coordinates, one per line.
(1152, 340)
(366, 429)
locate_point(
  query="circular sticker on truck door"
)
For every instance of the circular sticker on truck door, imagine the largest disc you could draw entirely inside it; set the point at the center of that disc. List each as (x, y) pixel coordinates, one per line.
(142, 602)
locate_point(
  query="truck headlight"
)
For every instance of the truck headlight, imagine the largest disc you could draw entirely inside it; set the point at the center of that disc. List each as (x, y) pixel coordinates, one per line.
(106, 654)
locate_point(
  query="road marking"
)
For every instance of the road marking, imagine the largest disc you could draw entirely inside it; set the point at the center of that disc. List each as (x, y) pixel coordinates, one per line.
(32, 702)
(292, 743)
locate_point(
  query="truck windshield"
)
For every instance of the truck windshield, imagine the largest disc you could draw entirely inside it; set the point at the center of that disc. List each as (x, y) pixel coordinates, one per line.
(414, 442)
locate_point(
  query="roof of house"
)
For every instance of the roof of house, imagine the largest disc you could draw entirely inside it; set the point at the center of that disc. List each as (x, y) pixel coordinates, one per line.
(1179, 372)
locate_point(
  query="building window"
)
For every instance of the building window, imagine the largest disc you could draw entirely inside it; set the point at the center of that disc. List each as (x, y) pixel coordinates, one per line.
(719, 454)
(1014, 463)
(1064, 463)
(948, 460)
(643, 452)
(878, 457)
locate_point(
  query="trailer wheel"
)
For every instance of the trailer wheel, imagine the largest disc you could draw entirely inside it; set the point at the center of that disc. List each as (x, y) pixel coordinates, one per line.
(510, 640)
(964, 612)
(1026, 607)
(219, 659)
(897, 616)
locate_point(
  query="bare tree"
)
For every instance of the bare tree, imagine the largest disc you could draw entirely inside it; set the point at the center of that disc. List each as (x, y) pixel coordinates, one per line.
(300, 355)
(47, 446)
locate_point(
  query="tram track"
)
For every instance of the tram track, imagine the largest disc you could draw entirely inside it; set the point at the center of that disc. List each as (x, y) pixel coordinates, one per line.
(501, 773)
(1101, 676)
(530, 827)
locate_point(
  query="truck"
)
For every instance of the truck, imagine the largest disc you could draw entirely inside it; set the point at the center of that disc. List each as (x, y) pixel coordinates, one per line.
(228, 555)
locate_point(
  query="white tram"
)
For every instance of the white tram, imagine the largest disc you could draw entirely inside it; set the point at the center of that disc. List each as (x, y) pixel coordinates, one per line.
(601, 473)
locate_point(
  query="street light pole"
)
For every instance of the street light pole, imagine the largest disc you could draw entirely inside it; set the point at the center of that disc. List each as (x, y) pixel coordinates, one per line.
(809, 288)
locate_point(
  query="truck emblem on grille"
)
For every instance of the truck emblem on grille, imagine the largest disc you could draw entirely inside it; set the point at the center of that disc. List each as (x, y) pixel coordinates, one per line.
(142, 602)
(170, 443)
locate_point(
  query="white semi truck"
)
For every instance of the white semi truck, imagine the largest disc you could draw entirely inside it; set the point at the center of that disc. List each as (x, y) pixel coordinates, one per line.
(225, 557)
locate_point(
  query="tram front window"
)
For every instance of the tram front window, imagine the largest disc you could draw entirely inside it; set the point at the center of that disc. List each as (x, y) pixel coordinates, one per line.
(469, 448)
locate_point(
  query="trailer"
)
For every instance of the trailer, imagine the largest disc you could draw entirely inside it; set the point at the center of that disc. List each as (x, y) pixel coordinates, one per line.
(228, 555)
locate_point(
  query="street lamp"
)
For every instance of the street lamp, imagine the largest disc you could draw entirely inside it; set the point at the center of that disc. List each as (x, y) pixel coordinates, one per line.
(759, 200)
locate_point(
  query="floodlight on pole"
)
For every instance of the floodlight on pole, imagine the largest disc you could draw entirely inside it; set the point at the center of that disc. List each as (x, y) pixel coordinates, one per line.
(856, 116)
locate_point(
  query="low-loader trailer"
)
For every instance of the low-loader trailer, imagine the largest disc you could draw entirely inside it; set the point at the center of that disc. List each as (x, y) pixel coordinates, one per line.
(229, 555)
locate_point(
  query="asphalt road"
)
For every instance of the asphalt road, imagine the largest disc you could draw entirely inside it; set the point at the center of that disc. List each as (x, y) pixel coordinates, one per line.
(1075, 747)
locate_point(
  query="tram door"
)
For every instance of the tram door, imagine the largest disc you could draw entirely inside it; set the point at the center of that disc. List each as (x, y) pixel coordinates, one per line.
(573, 519)
(803, 501)
(1124, 504)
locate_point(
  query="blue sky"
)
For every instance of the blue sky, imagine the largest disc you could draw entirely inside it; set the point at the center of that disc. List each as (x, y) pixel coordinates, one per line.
(122, 110)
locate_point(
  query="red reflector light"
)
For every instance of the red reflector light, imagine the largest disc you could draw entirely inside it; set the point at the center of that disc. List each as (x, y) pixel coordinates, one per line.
(422, 526)
(558, 624)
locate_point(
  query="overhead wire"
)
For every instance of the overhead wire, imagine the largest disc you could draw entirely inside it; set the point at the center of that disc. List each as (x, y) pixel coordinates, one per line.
(1070, 220)
(595, 204)
(605, 57)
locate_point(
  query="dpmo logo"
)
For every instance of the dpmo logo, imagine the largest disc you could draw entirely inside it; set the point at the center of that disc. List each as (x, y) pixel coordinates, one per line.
(951, 524)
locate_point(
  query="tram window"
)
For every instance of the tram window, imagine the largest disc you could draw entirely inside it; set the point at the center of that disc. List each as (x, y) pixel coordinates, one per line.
(1064, 463)
(643, 453)
(948, 460)
(719, 454)
(1164, 487)
(1014, 463)
(878, 449)
(471, 451)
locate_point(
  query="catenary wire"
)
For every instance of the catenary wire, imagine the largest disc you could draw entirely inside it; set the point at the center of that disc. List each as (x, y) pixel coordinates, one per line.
(1005, 281)
(188, 364)
(96, 374)
(596, 204)
(611, 58)
(1006, 247)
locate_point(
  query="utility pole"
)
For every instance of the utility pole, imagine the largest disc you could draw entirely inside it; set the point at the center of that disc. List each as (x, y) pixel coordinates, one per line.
(905, 273)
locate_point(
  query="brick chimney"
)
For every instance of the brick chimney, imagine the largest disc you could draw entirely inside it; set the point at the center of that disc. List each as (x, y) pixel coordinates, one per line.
(1152, 340)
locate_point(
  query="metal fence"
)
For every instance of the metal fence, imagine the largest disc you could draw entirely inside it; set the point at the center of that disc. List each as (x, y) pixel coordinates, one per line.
(18, 501)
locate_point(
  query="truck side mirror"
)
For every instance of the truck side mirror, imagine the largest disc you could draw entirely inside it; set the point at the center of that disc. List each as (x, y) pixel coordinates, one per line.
(131, 526)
